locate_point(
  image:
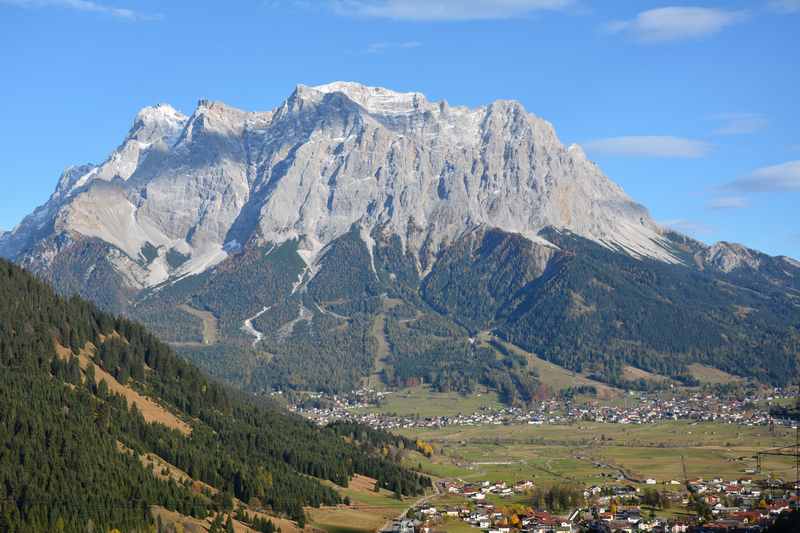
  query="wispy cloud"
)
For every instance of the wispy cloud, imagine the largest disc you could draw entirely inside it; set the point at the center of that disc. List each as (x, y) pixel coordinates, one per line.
(739, 123)
(676, 23)
(383, 46)
(690, 227)
(728, 202)
(650, 146)
(783, 177)
(87, 6)
(446, 10)
(785, 6)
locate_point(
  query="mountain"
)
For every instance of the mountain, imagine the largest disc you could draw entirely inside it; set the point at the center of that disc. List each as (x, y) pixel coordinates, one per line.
(103, 427)
(356, 234)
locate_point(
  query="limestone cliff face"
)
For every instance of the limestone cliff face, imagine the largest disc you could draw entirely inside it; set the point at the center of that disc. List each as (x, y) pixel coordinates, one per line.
(202, 186)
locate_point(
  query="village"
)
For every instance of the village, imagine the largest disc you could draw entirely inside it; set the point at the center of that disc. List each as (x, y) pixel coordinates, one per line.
(699, 505)
(636, 408)
(612, 498)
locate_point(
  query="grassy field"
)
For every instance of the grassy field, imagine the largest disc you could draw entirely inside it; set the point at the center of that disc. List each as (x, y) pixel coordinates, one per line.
(581, 454)
(632, 374)
(424, 402)
(368, 510)
(556, 377)
(593, 453)
(210, 329)
(707, 374)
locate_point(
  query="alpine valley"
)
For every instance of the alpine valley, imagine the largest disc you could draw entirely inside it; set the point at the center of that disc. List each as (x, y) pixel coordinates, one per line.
(359, 236)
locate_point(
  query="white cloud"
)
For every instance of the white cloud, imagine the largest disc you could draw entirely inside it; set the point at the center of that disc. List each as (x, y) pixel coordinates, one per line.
(380, 47)
(441, 10)
(676, 23)
(689, 227)
(728, 202)
(85, 6)
(783, 177)
(739, 123)
(785, 6)
(650, 146)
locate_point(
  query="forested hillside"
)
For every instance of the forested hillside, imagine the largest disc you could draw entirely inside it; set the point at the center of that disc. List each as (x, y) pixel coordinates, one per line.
(72, 442)
(569, 300)
(596, 310)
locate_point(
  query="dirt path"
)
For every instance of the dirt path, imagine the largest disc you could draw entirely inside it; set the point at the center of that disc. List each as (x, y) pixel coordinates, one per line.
(378, 332)
(209, 323)
(247, 326)
(325, 311)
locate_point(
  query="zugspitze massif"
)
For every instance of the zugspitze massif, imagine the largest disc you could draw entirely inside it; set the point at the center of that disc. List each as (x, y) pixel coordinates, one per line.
(327, 158)
(384, 238)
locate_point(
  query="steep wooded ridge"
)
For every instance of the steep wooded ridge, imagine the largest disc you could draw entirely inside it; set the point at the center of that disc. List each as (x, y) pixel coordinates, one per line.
(355, 231)
(85, 395)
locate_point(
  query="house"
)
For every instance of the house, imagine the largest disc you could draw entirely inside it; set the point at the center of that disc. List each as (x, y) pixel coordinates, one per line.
(747, 517)
(649, 481)
(620, 525)
(678, 528)
(522, 486)
(778, 507)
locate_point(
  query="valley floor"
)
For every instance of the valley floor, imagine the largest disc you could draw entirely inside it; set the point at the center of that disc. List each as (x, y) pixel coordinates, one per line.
(581, 455)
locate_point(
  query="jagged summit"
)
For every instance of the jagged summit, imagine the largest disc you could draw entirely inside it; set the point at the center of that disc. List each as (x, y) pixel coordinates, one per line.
(377, 99)
(159, 113)
(331, 156)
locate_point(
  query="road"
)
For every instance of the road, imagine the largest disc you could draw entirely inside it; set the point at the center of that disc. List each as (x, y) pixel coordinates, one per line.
(437, 491)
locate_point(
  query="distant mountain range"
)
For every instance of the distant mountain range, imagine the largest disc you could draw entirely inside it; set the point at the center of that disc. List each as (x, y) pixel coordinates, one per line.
(358, 235)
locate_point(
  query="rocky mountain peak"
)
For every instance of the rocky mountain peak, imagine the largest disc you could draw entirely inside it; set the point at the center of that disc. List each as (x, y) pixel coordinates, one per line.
(795, 263)
(159, 114)
(377, 100)
(327, 158)
(727, 256)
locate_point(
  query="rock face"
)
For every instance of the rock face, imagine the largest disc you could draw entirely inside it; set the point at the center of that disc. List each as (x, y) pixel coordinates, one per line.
(198, 187)
(728, 257)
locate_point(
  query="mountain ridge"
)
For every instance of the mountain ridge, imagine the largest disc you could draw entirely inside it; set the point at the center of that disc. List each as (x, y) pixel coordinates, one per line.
(301, 223)
(248, 202)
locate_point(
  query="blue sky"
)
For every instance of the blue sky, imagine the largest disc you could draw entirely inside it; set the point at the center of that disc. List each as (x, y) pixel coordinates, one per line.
(691, 106)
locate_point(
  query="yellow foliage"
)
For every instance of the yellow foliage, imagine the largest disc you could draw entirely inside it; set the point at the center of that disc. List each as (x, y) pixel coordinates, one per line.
(424, 447)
